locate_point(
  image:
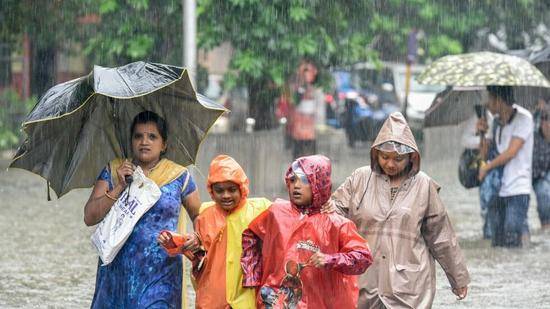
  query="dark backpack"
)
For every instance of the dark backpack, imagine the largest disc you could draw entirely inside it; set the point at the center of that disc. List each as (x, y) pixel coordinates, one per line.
(468, 168)
(468, 164)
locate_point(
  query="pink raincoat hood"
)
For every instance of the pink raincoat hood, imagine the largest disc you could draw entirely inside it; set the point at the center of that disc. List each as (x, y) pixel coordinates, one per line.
(318, 171)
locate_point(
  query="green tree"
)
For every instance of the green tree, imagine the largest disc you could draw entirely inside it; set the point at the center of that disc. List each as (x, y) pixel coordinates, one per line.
(127, 30)
(271, 37)
(47, 25)
(131, 30)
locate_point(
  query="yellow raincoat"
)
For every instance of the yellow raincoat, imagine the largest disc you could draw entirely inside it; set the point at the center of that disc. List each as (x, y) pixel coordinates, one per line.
(219, 279)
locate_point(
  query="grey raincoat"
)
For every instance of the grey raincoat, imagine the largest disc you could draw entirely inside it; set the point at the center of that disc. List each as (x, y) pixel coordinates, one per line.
(406, 236)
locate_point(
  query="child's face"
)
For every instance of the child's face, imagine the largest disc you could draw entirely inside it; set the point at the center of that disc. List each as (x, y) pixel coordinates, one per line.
(226, 194)
(299, 190)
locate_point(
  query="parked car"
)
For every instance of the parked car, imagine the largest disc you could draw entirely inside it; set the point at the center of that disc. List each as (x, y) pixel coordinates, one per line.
(363, 117)
(390, 77)
(364, 101)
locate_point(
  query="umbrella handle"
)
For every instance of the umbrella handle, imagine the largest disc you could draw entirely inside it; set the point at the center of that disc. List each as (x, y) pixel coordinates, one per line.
(48, 190)
(128, 179)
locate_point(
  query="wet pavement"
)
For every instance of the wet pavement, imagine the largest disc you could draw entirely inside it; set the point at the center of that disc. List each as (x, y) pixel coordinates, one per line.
(47, 260)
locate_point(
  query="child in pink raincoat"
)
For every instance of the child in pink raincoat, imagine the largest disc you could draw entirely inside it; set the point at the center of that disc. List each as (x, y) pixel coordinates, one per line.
(298, 257)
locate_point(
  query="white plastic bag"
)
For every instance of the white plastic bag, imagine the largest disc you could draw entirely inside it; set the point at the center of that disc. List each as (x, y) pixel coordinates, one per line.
(116, 227)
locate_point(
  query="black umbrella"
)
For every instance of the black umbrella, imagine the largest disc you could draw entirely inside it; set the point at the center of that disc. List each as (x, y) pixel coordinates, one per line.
(78, 126)
(454, 105)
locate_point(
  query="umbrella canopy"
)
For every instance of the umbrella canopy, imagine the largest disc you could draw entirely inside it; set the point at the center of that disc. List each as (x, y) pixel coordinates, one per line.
(482, 69)
(454, 105)
(78, 126)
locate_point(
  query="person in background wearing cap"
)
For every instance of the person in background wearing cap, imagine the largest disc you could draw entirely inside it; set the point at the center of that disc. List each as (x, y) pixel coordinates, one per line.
(398, 210)
(513, 142)
(541, 162)
(297, 256)
(219, 227)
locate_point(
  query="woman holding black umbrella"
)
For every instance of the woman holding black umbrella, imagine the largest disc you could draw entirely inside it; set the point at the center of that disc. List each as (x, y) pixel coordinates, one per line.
(80, 125)
(142, 274)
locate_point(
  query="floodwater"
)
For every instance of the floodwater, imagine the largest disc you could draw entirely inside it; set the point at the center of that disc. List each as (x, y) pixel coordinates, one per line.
(47, 260)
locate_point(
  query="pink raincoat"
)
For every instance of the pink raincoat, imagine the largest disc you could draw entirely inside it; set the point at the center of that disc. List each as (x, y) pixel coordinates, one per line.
(280, 241)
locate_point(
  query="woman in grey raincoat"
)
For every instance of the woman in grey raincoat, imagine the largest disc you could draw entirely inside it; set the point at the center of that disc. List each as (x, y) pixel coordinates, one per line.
(398, 210)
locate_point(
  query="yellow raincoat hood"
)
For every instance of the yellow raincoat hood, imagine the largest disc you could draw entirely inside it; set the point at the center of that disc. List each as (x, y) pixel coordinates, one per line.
(219, 283)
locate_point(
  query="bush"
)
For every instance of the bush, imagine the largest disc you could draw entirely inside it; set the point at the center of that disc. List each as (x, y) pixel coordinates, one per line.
(13, 110)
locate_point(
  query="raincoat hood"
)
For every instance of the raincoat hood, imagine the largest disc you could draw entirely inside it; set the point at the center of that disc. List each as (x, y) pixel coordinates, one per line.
(395, 129)
(225, 168)
(317, 169)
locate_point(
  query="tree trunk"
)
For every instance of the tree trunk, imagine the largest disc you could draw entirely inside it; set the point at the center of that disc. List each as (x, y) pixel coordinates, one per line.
(261, 104)
(5, 61)
(43, 68)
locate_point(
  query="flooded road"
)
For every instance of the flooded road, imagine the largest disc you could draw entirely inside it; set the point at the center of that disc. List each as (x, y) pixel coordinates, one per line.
(47, 260)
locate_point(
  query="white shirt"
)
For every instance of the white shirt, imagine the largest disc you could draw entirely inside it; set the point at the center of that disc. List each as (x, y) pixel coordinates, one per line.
(315, 106)
(516, 179)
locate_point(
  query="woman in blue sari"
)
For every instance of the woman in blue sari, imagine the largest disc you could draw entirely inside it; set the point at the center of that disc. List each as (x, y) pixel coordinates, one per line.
(142, 275)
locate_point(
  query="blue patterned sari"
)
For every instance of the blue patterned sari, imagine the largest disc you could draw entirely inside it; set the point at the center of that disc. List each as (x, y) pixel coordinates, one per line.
(142, 275)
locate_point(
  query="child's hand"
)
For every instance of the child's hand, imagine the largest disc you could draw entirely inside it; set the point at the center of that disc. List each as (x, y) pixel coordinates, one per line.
(175, 243)
(461, 292)
(318, 260)
(165, 240)
(193, 243)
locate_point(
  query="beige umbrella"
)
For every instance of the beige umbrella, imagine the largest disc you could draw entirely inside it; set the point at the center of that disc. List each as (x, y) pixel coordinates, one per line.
(482, 69)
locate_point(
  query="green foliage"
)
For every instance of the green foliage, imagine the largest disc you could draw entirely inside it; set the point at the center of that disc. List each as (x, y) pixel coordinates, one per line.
(132, 30)
(271, 37)
(12, 112)
(10, 20)
(108, 6)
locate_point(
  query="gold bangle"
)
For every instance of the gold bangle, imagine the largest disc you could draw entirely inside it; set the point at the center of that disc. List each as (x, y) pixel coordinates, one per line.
(110, 197)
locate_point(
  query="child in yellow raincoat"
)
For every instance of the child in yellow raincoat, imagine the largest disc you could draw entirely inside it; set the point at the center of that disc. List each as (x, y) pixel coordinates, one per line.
(216, 265)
